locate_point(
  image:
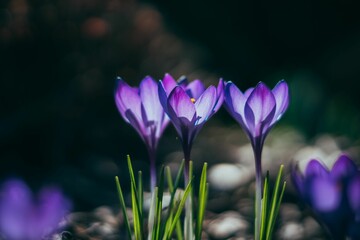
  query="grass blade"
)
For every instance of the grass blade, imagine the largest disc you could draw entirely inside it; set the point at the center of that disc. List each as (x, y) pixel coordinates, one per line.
(203, 192)
(169, 179)
(179, 209)
(140, 192)
(159, 201)
(123, 207)
(188, 222)
(179, 175)
(274, 204)
(277, 209)
(152, 209)
(173, 189)
(137, 214)
(264, 207)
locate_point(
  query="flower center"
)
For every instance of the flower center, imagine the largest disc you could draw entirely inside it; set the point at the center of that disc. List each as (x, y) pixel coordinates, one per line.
(192, 100)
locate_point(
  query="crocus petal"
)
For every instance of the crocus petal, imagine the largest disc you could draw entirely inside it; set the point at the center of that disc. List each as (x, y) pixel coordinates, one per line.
(262, 102)
(52, 208)
(343, 167)
(315, 168)
(126, 98)
(205, 104)
(136, 123)
(248, 92)
(325, 195)
(220, 95)
(334, 196)
(15, 204)
(23, 218)
(259, 109)
(297, 179)
(281, 94)
(163, 96)
(118, 98)
(235, 101)
(354, 194)
(168, 83)
(150, 99)
(195, 88)
(129, 104)
(181, 104)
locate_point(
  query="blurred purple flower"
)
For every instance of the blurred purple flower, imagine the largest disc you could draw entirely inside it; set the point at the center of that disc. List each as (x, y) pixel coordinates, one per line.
(354, 201)
(189, 106)
(333, 195)
(23, 217)
(257, 110)
(141, 108)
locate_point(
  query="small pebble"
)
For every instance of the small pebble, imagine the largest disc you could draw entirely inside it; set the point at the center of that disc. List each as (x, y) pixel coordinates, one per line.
(228, 177)
(226, 225)
(291, 231)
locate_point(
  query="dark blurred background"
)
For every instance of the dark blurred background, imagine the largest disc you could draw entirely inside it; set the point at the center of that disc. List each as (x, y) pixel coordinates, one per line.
(59, 60)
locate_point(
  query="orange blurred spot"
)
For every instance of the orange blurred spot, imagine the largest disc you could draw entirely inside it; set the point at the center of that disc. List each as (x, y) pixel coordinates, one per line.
(95, 27)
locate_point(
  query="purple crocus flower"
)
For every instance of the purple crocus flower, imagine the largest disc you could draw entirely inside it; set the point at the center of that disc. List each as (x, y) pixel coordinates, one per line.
(189, 106)
(141, 108)
(257, 110)
(353, 193)
(333, 195)
(24, 217)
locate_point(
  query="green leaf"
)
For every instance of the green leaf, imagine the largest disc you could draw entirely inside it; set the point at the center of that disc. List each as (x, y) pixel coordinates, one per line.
(264, 207)
(123, 207)
(159, 227)
(140, 192)
(152, 210)
(179, 175)
(159, 201)
(188, 222)
(173, 189)
(136, 208)
(275, 204)
(203, 192)
(278, 207)
(169, 179)
(136, 216)
(179, 209)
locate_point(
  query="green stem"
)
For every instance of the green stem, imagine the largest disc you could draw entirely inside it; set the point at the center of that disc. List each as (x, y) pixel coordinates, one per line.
(257, 148)
(152, 158)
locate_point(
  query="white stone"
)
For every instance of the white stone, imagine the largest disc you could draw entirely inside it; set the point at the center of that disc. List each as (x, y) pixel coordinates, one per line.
(226, 225)
(292, 231)
(227, 176)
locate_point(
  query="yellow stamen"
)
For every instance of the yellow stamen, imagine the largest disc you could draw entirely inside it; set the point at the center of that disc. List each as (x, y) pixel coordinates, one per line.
(192, 100)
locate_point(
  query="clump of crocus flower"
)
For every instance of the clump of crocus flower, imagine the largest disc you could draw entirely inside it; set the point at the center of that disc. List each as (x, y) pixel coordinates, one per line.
(24, 217)
(189, 106)
(140, 107)
(257, 110)
(333, 195)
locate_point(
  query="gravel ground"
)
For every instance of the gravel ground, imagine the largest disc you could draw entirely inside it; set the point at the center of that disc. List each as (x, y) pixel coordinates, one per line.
(230, 210)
